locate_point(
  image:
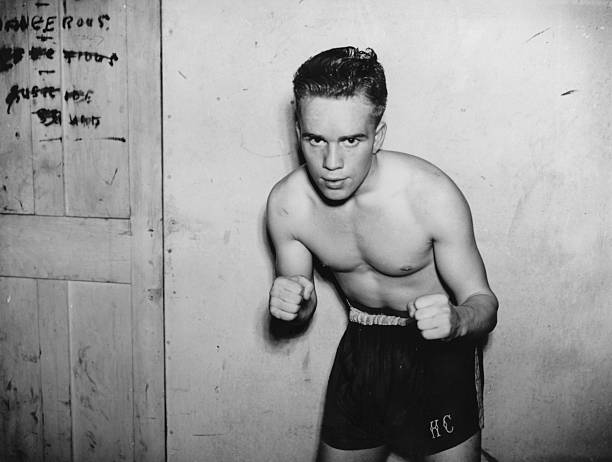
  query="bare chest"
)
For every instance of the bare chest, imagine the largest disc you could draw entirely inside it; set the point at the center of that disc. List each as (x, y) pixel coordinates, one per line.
(386, 240)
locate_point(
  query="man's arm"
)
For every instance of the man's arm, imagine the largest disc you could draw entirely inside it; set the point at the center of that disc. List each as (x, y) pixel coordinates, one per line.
(460, 266)
(292, 296)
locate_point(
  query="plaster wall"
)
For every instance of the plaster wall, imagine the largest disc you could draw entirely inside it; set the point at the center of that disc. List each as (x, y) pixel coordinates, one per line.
(511, 99)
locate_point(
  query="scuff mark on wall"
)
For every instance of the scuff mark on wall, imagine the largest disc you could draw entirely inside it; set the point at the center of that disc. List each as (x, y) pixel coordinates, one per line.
(537, 34)
(488, 457)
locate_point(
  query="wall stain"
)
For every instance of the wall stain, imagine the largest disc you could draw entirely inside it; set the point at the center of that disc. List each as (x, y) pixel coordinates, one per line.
(86, 402)
(31, 358)
(537, 34)
(154, 295)
(83, 366)
(112, 180)
(488, 457)
(91, 439)
(306, 361)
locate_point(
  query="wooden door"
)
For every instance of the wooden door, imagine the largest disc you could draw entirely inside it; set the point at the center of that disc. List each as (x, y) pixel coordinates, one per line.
(81, 300)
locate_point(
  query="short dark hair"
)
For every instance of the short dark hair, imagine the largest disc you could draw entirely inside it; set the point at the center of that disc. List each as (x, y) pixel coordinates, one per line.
(343, 72)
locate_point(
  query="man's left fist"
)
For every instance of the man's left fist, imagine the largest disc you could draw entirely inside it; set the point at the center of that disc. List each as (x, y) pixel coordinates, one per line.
(436, 317)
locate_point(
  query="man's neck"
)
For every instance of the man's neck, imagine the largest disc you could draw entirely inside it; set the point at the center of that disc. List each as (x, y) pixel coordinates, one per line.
(370, 183)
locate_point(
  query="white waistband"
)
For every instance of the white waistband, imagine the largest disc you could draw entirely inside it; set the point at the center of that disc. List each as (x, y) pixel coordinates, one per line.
(368, 319)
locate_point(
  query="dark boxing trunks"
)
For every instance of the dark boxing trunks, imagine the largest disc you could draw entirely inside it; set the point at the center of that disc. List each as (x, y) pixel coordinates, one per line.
(389, 386)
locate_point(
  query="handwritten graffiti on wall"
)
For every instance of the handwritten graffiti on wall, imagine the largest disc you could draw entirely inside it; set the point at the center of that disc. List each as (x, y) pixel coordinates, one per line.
(11, 56)
(43, 27)
(47, 24)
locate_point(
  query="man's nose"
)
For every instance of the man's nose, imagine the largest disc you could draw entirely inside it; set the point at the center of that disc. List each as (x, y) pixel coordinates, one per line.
(333, 158)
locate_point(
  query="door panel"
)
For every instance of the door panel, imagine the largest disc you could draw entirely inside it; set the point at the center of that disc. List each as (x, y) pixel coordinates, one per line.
(47, 154)
(55, 374)
(16, 179)
(95, 119)
(81, 296)
(20, 410)
(101, 326)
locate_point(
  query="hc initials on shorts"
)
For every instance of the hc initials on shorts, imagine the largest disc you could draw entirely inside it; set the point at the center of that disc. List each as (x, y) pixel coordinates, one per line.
(446, 424)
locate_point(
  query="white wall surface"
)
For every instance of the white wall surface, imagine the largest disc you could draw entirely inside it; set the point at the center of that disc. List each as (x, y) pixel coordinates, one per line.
(511, 99)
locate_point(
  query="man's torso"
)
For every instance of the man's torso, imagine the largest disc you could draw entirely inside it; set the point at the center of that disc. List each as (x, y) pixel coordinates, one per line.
(378, 244)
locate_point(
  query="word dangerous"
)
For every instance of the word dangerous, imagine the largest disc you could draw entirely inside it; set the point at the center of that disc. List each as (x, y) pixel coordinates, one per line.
(46, 24)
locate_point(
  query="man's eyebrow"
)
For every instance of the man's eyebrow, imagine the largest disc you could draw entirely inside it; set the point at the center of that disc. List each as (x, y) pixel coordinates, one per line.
(361, 136)
(311, 135)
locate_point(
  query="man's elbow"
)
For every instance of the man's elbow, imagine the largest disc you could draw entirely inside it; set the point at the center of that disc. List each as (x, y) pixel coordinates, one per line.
(489, 304)
(494, 306)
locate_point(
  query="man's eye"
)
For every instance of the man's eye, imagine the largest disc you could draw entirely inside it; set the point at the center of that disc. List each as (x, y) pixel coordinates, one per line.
(351, 141)
(315, 141)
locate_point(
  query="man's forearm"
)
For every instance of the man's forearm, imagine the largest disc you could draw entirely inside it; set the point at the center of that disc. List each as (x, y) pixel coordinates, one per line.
(477, 315)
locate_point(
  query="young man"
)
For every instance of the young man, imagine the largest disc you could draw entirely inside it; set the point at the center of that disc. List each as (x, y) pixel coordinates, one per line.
(397, 235)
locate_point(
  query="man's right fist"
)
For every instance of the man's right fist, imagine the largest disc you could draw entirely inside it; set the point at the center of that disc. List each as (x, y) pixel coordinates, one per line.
(288, 295)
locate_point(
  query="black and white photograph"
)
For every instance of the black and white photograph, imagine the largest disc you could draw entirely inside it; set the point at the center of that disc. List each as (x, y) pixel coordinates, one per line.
(305, 231)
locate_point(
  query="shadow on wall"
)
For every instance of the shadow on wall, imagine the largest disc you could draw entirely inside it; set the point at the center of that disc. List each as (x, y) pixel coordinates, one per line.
(279, 333)
(292, 135)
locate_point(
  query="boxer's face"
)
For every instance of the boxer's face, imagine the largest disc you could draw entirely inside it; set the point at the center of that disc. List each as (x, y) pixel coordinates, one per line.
(339, 138)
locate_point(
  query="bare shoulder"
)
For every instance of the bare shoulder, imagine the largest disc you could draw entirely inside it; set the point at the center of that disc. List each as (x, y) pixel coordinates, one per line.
(291, 191)
(289, 200)
(431, 191)
(417, 174)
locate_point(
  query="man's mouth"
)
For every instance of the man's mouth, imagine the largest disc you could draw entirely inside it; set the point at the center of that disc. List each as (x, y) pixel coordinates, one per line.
(334, 183)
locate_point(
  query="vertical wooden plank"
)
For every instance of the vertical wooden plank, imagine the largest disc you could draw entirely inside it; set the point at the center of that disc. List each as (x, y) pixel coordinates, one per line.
(144, 88)
(94, 62)
(55, 369)
(16, 185)
(44, 60)
(20, 395)
(101, 362)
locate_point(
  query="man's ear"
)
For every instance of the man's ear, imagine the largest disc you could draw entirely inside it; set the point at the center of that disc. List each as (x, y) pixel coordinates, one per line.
(379, 136)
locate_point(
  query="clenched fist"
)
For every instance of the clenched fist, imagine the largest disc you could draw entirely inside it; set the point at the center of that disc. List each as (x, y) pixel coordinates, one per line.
(288, 297)
(436, 316)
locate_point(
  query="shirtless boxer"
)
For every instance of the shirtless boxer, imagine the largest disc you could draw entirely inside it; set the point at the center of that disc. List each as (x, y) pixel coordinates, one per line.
(396, 233)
